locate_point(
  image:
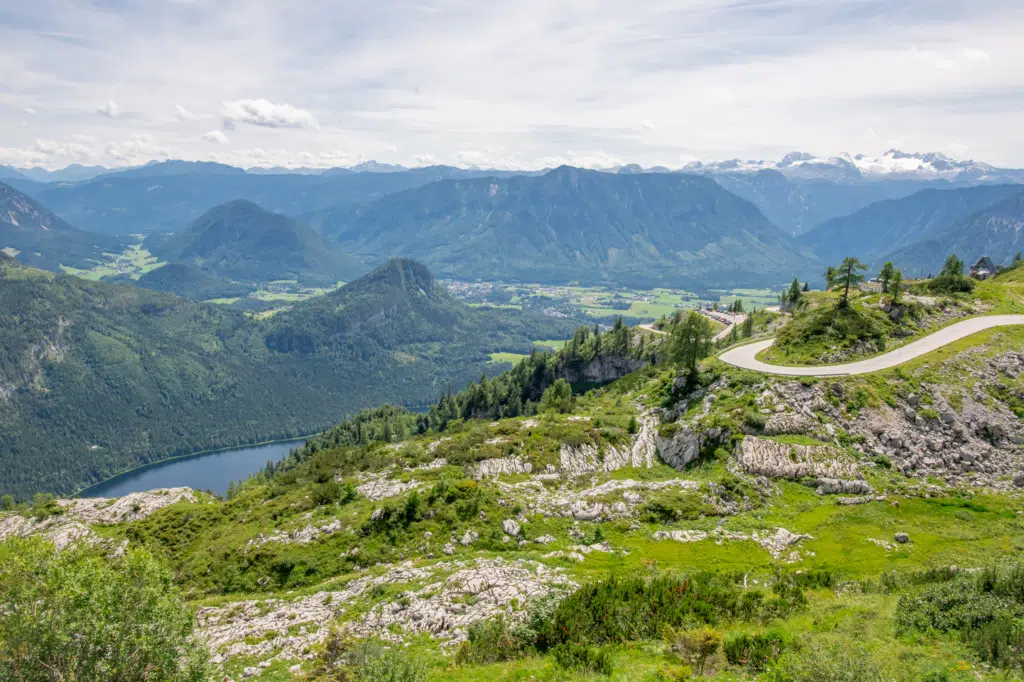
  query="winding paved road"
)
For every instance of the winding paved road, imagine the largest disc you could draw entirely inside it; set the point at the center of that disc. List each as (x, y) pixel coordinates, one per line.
(745, 356)
(738, 318)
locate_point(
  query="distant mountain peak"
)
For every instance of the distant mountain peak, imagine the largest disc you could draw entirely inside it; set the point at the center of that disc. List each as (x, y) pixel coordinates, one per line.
(894, 163)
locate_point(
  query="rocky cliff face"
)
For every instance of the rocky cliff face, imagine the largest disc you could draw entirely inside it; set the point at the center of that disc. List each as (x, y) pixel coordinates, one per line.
(603, 369)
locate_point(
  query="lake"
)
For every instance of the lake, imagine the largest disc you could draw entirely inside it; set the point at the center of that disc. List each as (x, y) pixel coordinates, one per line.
(209, 471)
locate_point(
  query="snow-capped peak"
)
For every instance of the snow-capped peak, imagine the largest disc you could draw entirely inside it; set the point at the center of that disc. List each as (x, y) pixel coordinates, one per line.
(893, 163)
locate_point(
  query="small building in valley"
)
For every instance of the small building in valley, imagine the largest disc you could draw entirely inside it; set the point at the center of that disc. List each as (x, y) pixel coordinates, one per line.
(983, 269)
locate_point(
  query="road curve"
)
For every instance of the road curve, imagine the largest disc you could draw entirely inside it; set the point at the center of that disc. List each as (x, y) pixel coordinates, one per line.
(745, 356)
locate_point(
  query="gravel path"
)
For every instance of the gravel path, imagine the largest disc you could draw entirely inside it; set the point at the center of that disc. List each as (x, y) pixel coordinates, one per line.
(745, 356)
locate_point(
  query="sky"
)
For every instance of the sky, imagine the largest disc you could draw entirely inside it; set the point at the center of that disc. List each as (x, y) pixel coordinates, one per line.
(524, 84)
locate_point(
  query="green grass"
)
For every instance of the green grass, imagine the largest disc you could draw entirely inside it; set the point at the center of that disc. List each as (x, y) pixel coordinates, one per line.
(501, 358)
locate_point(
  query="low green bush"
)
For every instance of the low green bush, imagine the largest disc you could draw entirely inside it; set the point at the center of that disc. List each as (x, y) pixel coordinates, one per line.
(755, 652)
(834, 660)
(582, 658)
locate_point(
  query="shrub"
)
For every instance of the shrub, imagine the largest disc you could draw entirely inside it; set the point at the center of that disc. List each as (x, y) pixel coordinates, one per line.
(696, 645)
(72, 616)
(675, 673)
(331, 492)
(627, 609)
(583, 658)
(344, 659)
(985, 610)
(950, 284)
(489, 641)
(754, 418)
(376, 662)
(840, 660)
(755, 651)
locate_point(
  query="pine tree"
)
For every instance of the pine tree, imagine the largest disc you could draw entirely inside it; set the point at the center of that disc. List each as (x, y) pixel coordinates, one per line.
(896, 286)
(830, 277)
(952, 268)
(848, 276)
(885, 276)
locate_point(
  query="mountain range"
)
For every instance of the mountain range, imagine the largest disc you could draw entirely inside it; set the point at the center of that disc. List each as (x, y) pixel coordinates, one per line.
(994, 231)
(119, 376)
(574, 225)
(894, 164)
(888, 226)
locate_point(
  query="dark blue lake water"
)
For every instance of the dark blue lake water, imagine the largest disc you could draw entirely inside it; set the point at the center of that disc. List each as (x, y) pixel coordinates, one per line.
(210, 471)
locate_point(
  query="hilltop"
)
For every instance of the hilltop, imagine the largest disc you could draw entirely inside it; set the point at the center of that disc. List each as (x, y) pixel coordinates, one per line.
(127, 376)
(240, 241)
(570, 224)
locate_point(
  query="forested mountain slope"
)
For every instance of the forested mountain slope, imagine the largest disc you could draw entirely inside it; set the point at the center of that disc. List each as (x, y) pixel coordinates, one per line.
(891, 225)
(44, 240)
(798, 206)
(241, 241)
(994, 231)
(573, 224)
(96, 378)
(189, 281)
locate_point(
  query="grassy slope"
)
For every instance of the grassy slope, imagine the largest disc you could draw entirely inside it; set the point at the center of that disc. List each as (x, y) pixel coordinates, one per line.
(205, 542)
(820, 331)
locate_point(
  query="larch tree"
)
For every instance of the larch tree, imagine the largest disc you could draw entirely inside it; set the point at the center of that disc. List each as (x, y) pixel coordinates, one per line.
(847, 277)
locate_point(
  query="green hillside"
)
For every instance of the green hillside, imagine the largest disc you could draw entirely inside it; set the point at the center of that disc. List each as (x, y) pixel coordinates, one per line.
(731, 527)
(38, 237)
(240, 241)
(96, 378)
(573, 224)
(189, 281)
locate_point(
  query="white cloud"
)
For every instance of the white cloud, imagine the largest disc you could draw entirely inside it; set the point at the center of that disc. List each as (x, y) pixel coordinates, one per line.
(184, 114)
(518, 83)
(29, 110)
(261, 112)
(109, 109)
(138, 149)
(648, 125)
(214, 136)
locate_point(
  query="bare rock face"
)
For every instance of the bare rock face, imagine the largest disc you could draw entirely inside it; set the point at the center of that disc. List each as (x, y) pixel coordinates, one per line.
(489, 468)
(586, 459)
(510, 527)
(128, 508)
(835, 486)
(777, 544)
(792, 423)
(59, 530)
(685, 444)
(763, 457)
(604, 368)
(383, 488)
(74, 525)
